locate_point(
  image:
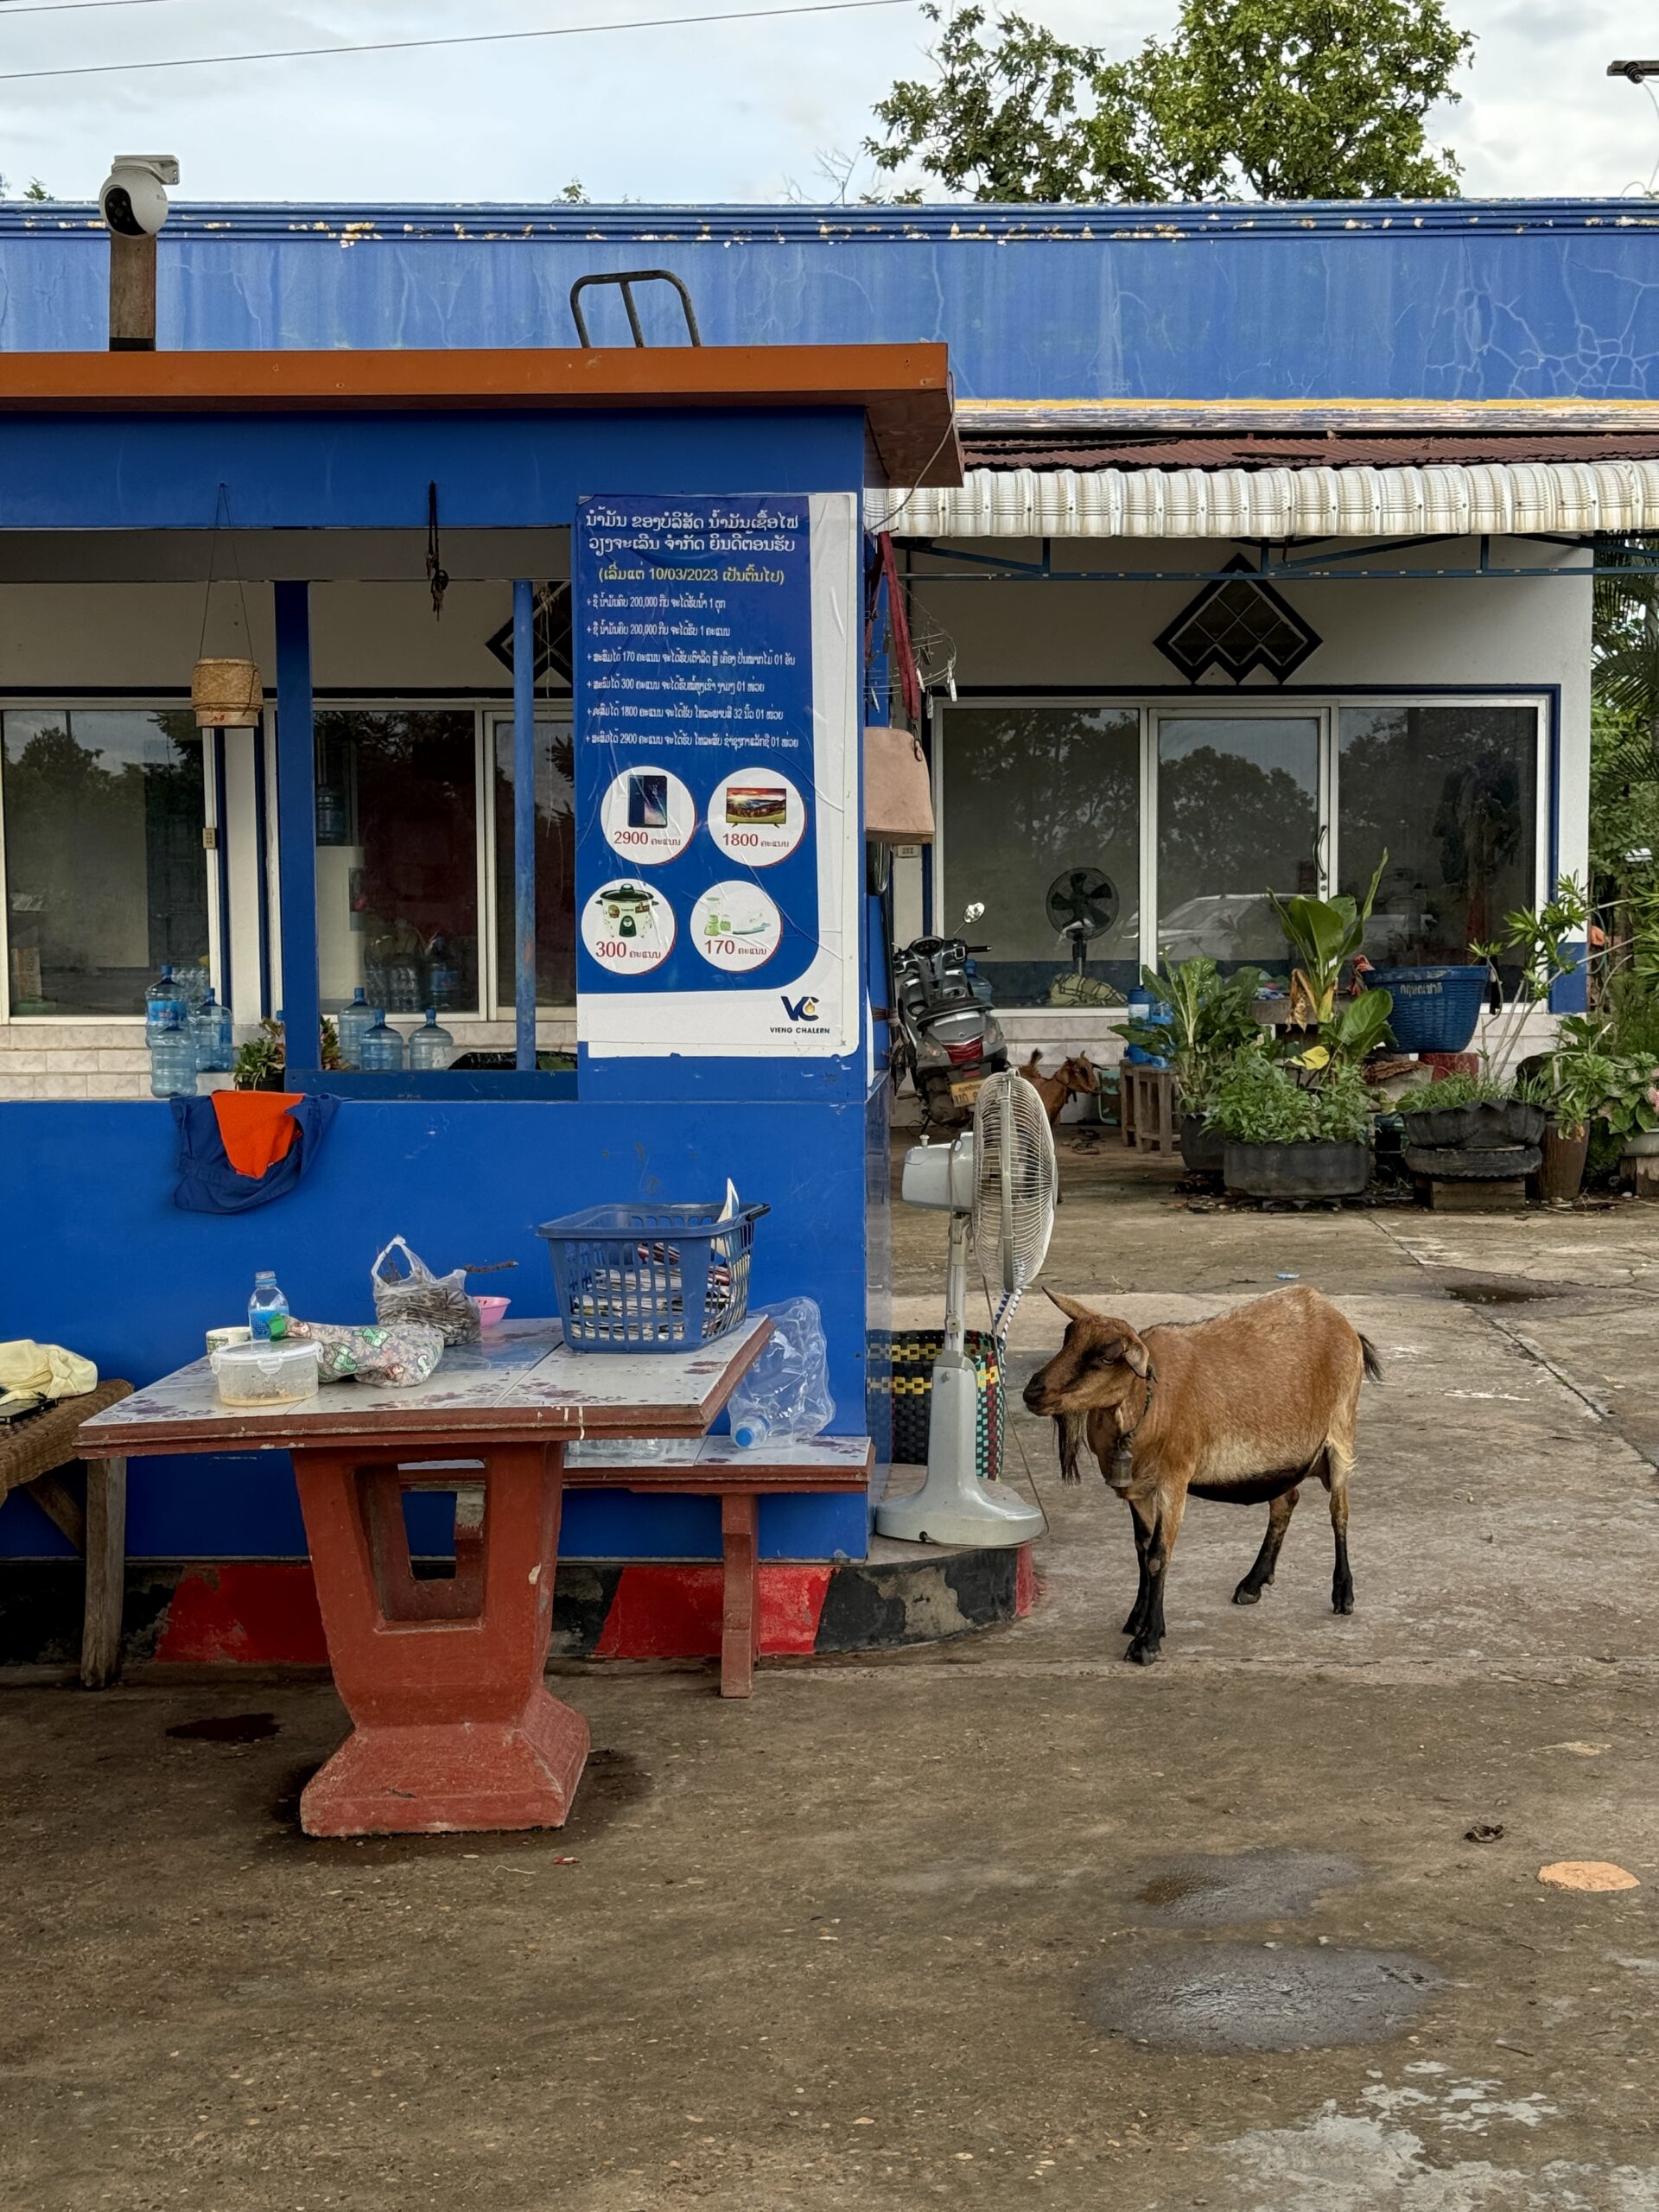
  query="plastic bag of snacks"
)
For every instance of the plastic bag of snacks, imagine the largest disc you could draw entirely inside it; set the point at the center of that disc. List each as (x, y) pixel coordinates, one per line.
(392, 1355)
(405, 1289)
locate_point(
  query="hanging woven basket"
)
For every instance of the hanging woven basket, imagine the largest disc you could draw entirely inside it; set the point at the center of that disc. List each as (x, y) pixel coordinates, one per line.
(226, 694)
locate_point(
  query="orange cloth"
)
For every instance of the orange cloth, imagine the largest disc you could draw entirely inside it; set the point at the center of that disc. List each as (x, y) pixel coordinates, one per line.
(255, 1128)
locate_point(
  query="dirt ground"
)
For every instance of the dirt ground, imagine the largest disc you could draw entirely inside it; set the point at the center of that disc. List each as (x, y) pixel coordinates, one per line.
(997, 1922)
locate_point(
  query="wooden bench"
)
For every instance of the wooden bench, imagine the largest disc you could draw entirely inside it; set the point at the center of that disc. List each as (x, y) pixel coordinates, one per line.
(713, 1466)
(34, 1450)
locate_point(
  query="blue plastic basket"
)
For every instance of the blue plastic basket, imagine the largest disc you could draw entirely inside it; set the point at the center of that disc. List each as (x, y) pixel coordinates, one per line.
(651, 1278)
(1435, 1009)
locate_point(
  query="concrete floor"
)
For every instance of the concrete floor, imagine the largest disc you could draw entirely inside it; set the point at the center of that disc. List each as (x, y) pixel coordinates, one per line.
(853, 1945)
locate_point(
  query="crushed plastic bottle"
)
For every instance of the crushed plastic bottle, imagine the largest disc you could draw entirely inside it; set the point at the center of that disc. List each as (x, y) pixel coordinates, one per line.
(785, 1394)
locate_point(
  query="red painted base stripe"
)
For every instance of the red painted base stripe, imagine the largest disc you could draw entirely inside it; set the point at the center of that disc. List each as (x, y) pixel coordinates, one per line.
(255, 1612)
(673, 1612)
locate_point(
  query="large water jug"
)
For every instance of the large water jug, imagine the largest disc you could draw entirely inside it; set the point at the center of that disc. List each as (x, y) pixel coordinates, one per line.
(351, 1026)
(210, 1027)
(381, 1052)
(164, 1006)
(173, 1063)
(192, 980)
(432, 1045)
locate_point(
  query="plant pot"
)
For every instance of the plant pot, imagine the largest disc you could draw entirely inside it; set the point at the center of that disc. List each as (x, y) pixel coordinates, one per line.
(1495, 1124)
(1296, 1171)
(1561, 1169)
(1204, 1149)
(1435, 1009)
(227, 695)
(1641, 1144)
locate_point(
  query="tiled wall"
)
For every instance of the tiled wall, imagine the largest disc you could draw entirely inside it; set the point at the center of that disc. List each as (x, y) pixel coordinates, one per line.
(107, 1059)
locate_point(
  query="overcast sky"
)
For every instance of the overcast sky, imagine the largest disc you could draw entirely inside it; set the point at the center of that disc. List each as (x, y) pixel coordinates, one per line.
(717, 112)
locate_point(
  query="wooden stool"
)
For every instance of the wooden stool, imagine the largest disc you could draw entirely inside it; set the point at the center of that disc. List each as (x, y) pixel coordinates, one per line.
(1156, 1127)
(33, 1449)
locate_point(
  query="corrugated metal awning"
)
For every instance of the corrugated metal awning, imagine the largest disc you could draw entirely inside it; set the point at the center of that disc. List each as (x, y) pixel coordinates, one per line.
(1511, 498)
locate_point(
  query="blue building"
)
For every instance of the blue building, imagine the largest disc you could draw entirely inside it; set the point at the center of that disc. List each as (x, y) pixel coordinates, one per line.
(1271, 553)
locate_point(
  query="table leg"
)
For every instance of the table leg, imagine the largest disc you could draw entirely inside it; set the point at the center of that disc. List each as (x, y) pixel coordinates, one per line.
(452, 1725)
(738, 1525)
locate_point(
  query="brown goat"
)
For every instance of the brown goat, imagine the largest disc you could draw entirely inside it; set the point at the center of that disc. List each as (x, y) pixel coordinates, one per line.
(1077, 1079)
(1241, 1408)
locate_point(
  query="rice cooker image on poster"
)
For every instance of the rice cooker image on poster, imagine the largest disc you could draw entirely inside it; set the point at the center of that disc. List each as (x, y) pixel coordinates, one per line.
(627, 928)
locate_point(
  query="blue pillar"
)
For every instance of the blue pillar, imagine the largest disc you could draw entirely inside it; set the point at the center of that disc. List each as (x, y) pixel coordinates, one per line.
(523, 818)
(296, 828)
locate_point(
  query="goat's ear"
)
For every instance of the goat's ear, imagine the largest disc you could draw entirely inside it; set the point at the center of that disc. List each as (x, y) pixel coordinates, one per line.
(1072, 1308)
(1135, 1354)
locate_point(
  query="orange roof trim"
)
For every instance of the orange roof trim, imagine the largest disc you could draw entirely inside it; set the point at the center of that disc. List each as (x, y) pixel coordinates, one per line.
(904, 390)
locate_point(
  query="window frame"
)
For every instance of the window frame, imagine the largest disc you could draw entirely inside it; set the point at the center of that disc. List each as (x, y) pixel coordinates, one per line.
(69, 701)
(492, 719)
(1326, 703)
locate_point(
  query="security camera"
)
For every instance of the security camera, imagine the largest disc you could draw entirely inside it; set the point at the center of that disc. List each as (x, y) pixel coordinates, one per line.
(133, 200)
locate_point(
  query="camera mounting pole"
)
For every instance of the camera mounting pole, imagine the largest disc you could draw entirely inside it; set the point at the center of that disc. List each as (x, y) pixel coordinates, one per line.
(134, 205)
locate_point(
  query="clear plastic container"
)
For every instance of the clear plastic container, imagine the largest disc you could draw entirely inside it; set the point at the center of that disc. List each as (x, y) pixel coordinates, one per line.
(354, 1021)
(267, 1308)
(432, 1045)
(164, 1006)
(267, 1374)
(173, 1063)
(210, 1029)
(380, 1050)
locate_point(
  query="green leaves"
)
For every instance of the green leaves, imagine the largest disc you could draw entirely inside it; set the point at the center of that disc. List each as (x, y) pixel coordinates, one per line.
(1257, 1102)
(1265, 99)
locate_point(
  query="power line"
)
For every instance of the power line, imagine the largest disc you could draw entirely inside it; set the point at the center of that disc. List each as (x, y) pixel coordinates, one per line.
(407, 45)
(68, 7)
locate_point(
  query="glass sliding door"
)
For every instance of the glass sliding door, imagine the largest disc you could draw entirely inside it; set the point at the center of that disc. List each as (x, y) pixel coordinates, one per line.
(105, 875)
(1034, 795)
(1238, 816)
(1450, 792)
(556, 865)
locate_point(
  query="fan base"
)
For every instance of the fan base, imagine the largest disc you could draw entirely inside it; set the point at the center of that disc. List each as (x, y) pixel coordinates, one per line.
(948, 1509)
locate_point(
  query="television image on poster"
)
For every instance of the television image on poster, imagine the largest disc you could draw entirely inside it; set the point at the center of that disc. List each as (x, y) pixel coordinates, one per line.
(755, 803)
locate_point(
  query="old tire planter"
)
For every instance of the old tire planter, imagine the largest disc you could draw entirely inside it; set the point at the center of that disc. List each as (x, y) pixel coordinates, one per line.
(1497, 1124)
(1204, 1150)
(1296, 1171)
(1561, 1170)
(1455, 1164)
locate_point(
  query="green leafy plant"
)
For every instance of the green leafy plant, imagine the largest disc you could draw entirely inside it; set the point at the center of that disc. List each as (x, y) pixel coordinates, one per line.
(1324, 935)
(1582, 1074)
(1454, 1091)
(1257, 1101)
(1211, 1017)
(266, 1055)
(1633, 1110)
(1535, 938)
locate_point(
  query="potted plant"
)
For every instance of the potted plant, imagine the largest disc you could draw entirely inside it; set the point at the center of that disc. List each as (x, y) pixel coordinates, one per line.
(262, 1062)
(1324, 935)
(1207, 1016)
(1287, 1139)
(1580, 1078)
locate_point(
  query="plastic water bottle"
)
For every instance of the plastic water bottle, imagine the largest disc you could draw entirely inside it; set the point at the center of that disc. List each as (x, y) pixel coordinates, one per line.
(443, 976)
(164, 1006)
(431, 1045)
(381, 1049)
(352, 1023)
(267, 1309)
(173, 1063)
(750, 1430)
(210, 1028)
(192, 980)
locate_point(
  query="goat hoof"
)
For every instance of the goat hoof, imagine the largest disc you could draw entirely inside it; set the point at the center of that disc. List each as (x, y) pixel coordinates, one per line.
(1132, 1626)
(1342, 1601)
(1247, 1594)
(1141, 1654)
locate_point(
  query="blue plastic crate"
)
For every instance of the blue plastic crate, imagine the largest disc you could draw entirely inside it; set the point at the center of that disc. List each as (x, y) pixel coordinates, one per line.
(651, 1278)
(1435, 1009)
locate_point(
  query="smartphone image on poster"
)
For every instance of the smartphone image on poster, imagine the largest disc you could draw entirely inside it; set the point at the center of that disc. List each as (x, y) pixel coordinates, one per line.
(648, 802)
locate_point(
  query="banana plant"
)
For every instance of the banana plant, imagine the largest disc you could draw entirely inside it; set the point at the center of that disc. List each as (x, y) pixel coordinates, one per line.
(1324, 934)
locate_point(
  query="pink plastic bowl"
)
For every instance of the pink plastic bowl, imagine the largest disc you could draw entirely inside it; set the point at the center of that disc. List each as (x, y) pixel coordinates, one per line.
(490, 1310)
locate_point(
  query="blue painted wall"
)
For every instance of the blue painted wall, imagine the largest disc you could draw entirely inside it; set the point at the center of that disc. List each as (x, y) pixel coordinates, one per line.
(1452, 300)
(99, 1258)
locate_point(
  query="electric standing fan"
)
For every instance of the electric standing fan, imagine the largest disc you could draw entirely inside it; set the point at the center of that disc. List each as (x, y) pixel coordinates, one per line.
(998, 1185)
(1082, 905)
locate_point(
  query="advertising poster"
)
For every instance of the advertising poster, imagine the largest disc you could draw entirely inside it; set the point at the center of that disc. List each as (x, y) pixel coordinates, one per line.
(716, 765)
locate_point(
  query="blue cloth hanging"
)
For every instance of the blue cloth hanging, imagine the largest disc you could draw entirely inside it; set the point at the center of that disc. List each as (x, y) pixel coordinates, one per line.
(208, 1183)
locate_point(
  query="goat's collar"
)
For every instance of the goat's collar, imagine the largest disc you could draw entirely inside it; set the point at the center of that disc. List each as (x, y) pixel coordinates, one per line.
(1151, 1377)
(1122, 1456)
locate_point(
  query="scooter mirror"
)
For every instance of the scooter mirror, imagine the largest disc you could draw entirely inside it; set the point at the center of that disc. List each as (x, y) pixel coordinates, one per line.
(973, 913)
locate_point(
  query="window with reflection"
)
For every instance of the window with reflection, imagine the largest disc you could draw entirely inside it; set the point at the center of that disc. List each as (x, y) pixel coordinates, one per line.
(105, 877)
(397, 858)
(1034, 798)
(556, 866)
(1451, 794)
(1238, 801)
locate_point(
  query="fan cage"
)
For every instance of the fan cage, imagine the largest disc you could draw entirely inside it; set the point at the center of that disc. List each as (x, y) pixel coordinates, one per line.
(1013, 1212)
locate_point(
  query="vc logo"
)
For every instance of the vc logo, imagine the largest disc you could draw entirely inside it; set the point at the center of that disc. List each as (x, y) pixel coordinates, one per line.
(801, 1009)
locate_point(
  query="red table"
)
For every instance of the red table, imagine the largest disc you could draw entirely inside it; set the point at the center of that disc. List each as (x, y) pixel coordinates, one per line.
(452, 1725)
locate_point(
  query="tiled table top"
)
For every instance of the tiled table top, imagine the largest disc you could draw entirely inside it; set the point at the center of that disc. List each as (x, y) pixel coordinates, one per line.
(519, 1383)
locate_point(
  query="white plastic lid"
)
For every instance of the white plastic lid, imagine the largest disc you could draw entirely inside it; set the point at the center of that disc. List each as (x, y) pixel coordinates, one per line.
(269, 1356)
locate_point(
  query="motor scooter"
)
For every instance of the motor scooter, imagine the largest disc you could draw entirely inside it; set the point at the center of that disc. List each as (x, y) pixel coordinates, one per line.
(946, 1036)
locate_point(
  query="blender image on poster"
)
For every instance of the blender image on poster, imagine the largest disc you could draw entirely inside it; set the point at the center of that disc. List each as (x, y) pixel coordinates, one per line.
(648, 816)
(757, 816)
(735, 926)
(628, 928)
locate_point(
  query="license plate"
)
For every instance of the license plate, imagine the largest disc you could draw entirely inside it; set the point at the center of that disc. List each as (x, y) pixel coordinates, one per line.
(964, 1093)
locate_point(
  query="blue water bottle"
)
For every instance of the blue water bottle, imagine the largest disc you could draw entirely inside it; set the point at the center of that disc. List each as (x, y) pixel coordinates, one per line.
(381, 1052)
(353, 1023)
(267, 1309)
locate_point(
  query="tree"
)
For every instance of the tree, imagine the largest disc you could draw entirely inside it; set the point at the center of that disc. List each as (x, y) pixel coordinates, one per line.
(1268, 100)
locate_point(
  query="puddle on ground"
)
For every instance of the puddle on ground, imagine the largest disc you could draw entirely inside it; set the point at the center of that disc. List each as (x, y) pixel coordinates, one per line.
(1471, 1289)
(1233, 1997)
(1200, 1891)
(228, 1728)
